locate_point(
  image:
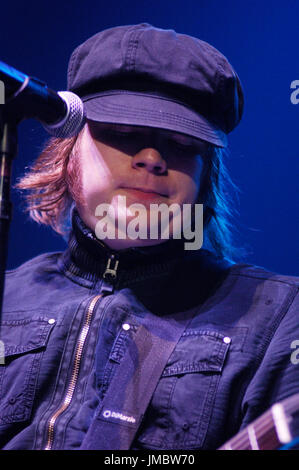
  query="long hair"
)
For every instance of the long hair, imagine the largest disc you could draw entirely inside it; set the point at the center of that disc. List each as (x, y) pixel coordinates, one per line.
(53, 182)
(218, 195)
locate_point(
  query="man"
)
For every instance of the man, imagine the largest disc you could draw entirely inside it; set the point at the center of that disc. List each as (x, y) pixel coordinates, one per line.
(135, 342)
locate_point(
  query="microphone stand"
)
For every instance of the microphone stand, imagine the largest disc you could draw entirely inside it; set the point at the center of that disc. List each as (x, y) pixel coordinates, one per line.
(10, 117)
(27, 97)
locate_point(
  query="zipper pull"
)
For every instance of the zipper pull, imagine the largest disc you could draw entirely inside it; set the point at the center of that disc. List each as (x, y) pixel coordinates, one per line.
(110, 274)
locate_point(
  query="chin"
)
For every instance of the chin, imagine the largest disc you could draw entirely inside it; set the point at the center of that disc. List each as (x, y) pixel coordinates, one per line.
(116, 244)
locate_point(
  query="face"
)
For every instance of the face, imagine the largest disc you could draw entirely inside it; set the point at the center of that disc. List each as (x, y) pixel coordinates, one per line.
(145, 166)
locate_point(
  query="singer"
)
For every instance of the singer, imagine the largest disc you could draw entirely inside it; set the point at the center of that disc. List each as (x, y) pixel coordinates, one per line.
(135, 342)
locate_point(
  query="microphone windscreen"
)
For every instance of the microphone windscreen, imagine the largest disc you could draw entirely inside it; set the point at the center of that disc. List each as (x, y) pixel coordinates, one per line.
(74, 119)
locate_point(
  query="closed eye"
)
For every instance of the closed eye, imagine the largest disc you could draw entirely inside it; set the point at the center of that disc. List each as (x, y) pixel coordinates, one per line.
(189, 148)
(122, 134)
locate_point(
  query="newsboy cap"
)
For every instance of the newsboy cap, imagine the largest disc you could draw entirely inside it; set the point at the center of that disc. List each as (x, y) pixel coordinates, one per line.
(147, 76)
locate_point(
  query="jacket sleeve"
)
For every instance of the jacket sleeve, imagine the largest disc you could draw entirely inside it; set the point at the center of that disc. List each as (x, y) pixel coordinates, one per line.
(277, 376)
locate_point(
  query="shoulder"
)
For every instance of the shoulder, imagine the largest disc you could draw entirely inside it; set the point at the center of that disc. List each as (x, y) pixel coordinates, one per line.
(268, 293)
(43, 262)
(30, 280)
(260, 274)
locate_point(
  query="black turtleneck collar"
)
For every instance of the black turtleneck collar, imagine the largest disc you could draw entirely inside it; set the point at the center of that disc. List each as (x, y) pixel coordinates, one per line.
(87, 256)
(165, 269)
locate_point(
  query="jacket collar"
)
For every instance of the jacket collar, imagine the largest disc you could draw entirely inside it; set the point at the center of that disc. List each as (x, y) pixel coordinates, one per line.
(87, 256)
(182, 278)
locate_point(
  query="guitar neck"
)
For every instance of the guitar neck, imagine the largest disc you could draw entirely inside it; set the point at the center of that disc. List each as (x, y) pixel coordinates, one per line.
(269, 431)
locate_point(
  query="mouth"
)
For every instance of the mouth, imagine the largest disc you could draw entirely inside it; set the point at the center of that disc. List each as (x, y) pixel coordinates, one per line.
(145, 192)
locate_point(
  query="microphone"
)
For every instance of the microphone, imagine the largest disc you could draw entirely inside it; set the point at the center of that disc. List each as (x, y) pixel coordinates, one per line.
(61, 113)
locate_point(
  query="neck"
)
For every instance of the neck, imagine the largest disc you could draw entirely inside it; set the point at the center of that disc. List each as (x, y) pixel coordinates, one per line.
(165, 277)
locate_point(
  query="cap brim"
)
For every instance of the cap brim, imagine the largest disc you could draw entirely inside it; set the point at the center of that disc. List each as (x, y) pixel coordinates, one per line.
(141, 109)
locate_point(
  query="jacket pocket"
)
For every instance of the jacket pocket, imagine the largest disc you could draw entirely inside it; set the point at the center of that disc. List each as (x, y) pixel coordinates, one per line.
(23, 341)
(180, 410)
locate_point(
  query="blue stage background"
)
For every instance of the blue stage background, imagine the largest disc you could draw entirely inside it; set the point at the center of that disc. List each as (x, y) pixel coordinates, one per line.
(261, 41)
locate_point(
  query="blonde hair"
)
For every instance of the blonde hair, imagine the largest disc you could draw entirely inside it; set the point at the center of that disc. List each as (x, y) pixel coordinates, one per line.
(53, 182)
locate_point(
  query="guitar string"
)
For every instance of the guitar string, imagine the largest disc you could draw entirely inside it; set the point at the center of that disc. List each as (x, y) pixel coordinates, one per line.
(291, 404)
(258, 428)
(258, 432)
(242, 441)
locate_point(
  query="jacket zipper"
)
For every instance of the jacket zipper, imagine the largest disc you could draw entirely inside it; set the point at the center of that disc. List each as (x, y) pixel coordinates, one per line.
(107, 287)
(110, 274)
(111, 271)
(75, 372)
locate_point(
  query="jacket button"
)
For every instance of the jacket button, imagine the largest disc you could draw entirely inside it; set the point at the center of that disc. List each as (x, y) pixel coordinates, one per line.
(126, 326)
(12, 400)
(226, 339)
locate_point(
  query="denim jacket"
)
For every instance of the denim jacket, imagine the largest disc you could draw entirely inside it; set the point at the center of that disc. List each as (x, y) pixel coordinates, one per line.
(68, 319)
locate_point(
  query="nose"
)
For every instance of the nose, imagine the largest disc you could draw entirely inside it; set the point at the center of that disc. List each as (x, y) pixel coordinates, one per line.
(151, 160)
